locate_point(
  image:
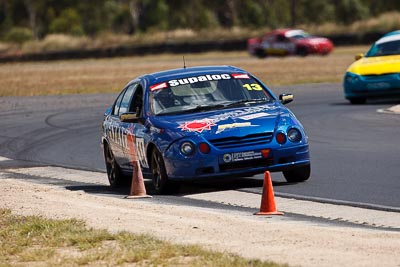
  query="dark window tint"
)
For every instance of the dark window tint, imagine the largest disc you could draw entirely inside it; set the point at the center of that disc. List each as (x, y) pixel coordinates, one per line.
(127, 99)
(117, 104)
(122, 103)
(137, 101)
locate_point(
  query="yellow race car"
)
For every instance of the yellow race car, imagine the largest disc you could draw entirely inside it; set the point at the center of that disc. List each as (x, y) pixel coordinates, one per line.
(375, 74)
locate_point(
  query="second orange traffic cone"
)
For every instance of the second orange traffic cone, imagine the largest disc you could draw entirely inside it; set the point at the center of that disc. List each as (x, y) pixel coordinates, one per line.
(268, 206)
(138, 189)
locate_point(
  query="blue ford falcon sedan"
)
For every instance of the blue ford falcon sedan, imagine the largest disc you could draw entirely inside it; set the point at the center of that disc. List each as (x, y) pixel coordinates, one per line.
(202, 123)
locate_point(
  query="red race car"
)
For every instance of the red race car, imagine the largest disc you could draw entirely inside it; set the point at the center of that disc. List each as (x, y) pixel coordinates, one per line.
(283, 42)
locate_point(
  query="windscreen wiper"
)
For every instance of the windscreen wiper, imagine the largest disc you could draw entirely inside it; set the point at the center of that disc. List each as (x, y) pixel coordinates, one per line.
(246, 102)
(203, 108)
(191, 109)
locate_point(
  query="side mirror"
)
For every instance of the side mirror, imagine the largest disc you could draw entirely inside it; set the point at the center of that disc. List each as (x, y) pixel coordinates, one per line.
(358, 56)
(129, 117)
(286, 98)
(108, 111)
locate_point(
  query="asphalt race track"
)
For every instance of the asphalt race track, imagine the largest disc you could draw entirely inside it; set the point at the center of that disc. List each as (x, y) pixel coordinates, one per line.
(354, 149)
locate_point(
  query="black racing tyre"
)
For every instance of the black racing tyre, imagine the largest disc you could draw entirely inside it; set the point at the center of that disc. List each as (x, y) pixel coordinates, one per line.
(299, 174)
(260, 53)
(114, 174)
(302, 51)
(357, 100)
(160, 180)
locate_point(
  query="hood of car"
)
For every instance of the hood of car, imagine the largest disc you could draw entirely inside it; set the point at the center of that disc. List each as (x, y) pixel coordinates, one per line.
(223, 123)
(376, 65)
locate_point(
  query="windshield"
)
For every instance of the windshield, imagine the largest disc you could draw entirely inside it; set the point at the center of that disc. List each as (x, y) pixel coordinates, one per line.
(207, 92)
(297, 34)
(384, 49)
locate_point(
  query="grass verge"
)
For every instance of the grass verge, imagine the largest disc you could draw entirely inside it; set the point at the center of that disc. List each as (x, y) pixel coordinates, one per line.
(35, 241)
(110, 75)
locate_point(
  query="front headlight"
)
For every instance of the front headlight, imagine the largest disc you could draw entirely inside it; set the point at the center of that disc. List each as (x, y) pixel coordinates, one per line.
(294, 135)
(351, 78)
(187, 148)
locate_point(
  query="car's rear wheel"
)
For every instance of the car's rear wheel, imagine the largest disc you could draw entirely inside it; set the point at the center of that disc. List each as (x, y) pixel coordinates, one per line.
(357, 100)
(260, 53)
(298, 174)
(114, 174)
(160, 180)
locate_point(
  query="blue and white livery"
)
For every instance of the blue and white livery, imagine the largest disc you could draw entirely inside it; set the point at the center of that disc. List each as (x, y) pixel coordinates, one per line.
(202, 123)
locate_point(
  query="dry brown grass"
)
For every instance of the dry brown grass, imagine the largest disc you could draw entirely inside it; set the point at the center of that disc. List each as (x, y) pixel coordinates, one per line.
(36, 241)
(60, 42)
(110, 75)
(383, 23)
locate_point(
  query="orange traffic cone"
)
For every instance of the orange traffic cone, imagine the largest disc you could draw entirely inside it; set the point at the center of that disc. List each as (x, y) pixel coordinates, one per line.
(268, 206)
(138, 190)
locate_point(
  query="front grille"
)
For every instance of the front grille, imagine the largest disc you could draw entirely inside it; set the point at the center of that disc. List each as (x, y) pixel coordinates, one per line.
(248, 140)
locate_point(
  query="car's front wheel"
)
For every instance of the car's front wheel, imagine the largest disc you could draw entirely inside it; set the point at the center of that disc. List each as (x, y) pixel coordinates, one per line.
(302, 51)
(357, 100)
(114, 174)
(160, 180)
(299, 174)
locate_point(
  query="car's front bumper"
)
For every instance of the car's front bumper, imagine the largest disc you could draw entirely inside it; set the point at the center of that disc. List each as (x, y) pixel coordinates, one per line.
(367, 86)
(280, 159)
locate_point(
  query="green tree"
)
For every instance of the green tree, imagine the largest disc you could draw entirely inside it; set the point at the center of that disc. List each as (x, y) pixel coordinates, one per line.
(178, 14)
(5, 19)
(199, 15)
(95, 16)
(227, 12)
(34, 9)
(278, 13)
(315, 11)
(68, 22)
(348, 11)
(378, 7)
(122, 21)
(18, 35)
(154, 15)
(251, 14)
(92, 17)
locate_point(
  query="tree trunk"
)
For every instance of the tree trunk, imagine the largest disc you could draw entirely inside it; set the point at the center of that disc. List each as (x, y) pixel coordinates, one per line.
(135, 11)
(31, 7)
(293, 13)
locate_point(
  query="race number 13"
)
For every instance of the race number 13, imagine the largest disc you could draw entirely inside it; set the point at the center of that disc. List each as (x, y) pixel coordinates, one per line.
(253, 86)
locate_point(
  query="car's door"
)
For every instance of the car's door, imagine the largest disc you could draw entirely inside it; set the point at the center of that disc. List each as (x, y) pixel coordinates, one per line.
(267, 42)
(115, 128)
(282, 45)
(134, 130)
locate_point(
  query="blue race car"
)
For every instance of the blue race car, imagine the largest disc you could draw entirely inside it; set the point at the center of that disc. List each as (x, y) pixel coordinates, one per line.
(202, 123)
